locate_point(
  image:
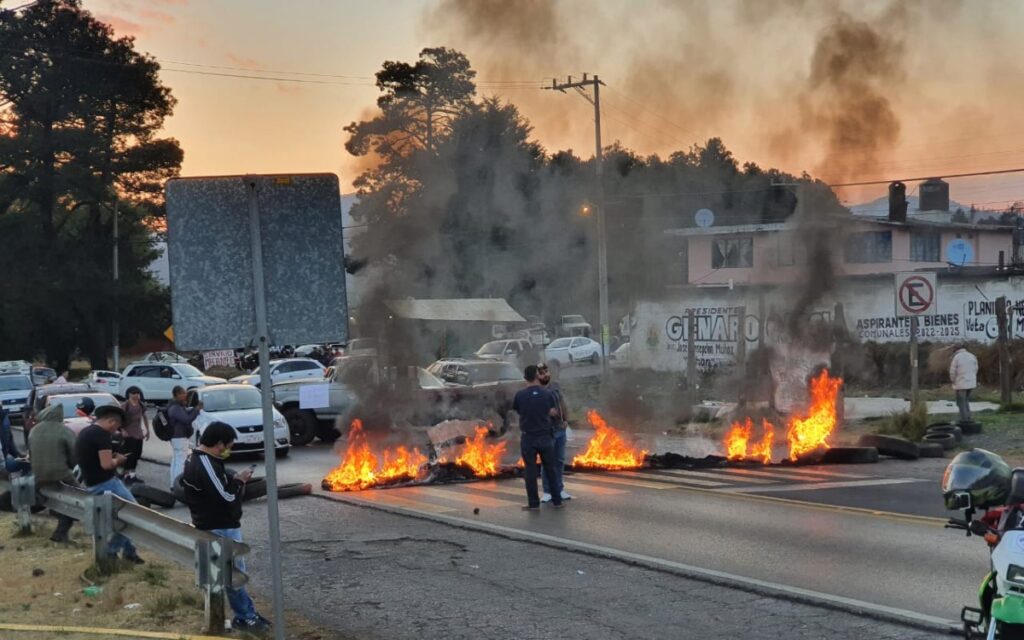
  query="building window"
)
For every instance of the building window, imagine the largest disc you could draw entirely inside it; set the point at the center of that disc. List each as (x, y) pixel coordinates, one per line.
(925, 246)
(732, 253)
(789, 250)
(869, 246)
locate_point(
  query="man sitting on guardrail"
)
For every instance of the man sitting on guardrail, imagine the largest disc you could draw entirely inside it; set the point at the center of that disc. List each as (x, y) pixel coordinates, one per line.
(99, 463)
(215, 501)
(53, 458)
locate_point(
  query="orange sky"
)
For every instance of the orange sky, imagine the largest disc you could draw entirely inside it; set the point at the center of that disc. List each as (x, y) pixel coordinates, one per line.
(676, 74)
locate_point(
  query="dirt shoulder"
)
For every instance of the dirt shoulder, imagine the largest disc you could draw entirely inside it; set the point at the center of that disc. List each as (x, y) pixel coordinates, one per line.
(46, 583)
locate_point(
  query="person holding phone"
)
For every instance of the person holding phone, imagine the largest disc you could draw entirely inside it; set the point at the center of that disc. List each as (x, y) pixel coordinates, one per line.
(215, 501)
(135, 430)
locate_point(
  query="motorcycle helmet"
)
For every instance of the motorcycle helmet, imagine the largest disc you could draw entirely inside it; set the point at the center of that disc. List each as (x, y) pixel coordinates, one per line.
(980, 473)
(86, 406)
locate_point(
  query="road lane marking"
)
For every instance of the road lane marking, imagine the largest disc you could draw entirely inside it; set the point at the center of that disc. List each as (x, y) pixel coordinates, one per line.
(712, 576)
(814, 486)
(603, 479)
(818, 471)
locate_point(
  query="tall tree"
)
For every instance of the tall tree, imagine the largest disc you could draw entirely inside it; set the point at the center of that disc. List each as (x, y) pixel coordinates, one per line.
(81, 112)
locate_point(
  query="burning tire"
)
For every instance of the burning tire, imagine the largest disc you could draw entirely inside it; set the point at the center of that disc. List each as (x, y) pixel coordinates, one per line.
(302, 425)
(890, 446)
(946, 440)
(850, 455)
(956, 432)
(931, 450)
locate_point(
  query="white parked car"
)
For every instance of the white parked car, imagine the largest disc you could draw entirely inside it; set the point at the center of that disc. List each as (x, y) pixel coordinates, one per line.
(104, 380)
(43, 375)
(162, 356)
(155, 381)
(15, 366)
(14, 391)
(505, 350)
(239, 405)
(284, 370)
(306, 350)
(569, 351)
(619, 359)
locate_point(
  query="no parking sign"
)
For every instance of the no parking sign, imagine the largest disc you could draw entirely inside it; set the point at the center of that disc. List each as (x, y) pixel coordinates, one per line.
(916, 294)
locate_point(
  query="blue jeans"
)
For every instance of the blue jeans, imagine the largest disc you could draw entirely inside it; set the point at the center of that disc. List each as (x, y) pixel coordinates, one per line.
(559, 462)
(530, 446)
(118, 541)
(239, 598)
(13, 465)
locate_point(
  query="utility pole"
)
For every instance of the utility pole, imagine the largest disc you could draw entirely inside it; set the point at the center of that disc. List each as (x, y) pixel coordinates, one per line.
(602, 239)
(116, 329)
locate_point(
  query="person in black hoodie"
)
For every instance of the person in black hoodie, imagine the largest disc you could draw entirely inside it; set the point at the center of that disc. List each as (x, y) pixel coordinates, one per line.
(215, 501)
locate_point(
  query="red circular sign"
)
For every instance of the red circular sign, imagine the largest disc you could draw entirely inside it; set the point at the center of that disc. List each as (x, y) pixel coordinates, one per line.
(916, 295)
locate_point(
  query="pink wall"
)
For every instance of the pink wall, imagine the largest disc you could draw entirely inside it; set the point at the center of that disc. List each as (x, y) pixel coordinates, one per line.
(766, 270)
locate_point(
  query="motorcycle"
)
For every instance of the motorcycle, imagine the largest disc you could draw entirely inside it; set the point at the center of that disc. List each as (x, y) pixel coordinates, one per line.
(1000, 614)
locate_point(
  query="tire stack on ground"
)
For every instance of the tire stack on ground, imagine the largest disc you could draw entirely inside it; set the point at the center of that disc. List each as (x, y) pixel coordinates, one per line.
(891, 446)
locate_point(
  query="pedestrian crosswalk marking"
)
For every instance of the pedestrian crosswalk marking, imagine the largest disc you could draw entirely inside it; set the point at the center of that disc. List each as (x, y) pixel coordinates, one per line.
(477, 497)
(391, 497)
(817, 471)
(677, 479)
(814, 486)
(683, 473)
(776, 474)
(593, 477)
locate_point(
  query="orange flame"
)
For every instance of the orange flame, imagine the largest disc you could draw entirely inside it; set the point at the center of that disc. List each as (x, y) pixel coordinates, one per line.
(737, 439)
(813, 431)
(805, 434)
(483, 458)
(607, 449)
(763, 450)
(361, 469)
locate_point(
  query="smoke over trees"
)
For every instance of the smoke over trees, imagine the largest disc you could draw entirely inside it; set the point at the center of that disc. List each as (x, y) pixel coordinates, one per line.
(486, 211)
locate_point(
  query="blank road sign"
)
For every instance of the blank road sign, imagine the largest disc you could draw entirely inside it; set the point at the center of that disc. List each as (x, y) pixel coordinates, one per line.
(916, 294)
(209, 248)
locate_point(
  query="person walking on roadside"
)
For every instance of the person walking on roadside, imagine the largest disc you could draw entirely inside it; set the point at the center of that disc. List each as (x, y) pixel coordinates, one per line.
(98, 462)
(180, 418)
(215, 502)
(136, 429)
(561, 425)
(537, 408)
(53, 459)
(963, 373)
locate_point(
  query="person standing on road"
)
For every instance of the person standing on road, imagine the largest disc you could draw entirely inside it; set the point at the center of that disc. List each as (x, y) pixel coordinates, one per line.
(13, 460)
(136, 429)
(180, 418)
(99, 463)
(53, 459)
(537, 408)
(215, 502)
(561, 425)
(963, 373)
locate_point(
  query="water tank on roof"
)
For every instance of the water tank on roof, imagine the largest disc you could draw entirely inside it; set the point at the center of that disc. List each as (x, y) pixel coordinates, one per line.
(898, 202)
(934, 195)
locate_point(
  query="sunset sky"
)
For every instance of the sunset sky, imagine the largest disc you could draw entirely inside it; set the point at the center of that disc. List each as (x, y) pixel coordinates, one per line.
(677, 73)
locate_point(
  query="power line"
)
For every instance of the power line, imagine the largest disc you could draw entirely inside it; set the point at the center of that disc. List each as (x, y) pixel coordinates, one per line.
(944, 176)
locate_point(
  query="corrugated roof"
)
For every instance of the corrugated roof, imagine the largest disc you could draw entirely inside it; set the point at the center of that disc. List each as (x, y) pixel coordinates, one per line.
(456, 310)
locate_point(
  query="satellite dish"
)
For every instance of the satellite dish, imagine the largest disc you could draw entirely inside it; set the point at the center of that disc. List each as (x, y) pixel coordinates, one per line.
(959, 252)
(704, 218)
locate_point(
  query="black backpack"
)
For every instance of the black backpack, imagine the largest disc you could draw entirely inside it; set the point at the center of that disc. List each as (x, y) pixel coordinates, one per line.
(162, 426)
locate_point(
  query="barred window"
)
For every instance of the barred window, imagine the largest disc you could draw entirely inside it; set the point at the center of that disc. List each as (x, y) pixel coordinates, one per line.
(925, 246)
(869, 246)
(732, 253)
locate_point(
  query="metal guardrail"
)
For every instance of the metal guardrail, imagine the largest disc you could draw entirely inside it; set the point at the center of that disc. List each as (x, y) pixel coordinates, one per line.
(102, 516)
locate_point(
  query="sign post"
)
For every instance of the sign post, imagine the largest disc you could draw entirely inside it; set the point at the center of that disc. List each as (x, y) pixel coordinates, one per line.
(915, 296)
(235, 281)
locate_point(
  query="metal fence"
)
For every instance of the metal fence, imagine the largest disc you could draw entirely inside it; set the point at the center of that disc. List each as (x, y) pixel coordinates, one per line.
(102, 516)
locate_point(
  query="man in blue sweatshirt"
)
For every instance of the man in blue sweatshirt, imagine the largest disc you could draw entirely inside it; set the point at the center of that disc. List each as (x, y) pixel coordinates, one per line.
(180, 418)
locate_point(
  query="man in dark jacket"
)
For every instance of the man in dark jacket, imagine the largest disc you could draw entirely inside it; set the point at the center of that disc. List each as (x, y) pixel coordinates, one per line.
(180, 418)
(13, 461)
(215, 501)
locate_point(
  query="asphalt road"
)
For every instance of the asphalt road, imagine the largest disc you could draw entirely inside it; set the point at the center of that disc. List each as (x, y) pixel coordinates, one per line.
(870, 532)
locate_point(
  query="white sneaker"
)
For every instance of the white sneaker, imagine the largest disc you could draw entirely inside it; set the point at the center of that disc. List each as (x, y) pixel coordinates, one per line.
(546, 497)
(566, 496)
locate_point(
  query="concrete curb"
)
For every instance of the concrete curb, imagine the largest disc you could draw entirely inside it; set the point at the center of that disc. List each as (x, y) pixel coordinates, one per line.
(878, 612)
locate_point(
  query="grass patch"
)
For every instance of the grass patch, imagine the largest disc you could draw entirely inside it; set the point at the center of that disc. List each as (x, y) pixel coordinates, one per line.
(910, 424)
(1012, 407)
(155, 575)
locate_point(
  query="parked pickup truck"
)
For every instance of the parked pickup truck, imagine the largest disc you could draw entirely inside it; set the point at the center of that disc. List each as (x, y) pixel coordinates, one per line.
(356, 388)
